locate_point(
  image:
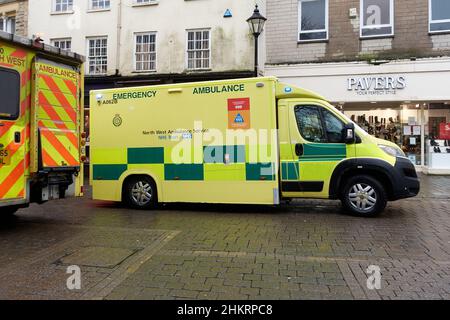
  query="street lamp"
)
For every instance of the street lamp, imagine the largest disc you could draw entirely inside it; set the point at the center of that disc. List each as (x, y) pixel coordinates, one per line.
(256, 23)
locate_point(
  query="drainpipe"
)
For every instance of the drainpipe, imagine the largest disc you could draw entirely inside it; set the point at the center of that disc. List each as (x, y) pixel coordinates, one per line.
(119, 31)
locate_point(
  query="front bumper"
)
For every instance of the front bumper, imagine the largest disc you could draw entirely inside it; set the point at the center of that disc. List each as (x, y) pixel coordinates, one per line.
(406, 183)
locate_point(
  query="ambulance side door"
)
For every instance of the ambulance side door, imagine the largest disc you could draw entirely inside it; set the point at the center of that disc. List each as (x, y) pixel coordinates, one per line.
(316, 148)
(12, 135)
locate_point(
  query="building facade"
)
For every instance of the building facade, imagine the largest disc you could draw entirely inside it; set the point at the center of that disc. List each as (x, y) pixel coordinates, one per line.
(139, 42)
(149, 42)
(384, 63)
(14, 16)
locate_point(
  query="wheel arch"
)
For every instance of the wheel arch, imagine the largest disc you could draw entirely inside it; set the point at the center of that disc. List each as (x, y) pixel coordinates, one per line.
(133, 173)
(376, 168)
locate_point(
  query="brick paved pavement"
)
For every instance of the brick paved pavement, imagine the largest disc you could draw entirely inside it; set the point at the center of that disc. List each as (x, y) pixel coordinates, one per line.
(305, 250)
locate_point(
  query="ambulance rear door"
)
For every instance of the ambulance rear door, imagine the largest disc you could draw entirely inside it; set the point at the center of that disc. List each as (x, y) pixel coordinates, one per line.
(56, 119)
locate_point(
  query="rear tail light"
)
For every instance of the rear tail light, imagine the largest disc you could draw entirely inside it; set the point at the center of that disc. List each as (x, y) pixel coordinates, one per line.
(83, 158)
(83, 135)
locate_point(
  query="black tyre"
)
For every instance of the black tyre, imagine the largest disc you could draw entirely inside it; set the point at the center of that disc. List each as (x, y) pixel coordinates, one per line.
(363, 196)
(140, 193)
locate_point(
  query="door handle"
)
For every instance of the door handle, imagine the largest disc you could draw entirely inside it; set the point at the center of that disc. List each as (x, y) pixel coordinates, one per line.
(17, 137)
(299, 149)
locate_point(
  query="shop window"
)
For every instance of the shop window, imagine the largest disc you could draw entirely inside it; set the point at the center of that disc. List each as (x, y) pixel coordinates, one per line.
(439, 16)
(313, 20)
(9, 91)
(402, 124)
(377, 18)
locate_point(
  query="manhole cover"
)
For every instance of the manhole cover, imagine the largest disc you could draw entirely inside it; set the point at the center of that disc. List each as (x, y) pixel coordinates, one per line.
(101, 257)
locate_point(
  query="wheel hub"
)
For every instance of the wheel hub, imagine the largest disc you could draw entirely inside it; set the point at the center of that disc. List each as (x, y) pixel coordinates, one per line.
(142, 193)
(362, 197)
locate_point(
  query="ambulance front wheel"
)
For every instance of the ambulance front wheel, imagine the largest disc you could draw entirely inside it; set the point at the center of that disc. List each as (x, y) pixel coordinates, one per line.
(363, 196)
(139, 192)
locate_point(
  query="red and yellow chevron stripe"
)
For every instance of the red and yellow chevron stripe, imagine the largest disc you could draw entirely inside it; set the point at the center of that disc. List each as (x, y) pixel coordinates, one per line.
(57, 117)
(13, 176)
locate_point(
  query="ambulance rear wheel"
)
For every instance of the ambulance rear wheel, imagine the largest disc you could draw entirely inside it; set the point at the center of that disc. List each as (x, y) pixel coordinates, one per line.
(363, 196)
(140, 192)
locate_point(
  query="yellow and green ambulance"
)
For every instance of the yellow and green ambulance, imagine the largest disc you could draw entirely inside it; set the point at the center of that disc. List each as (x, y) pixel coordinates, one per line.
(244, 141)
(41, 133)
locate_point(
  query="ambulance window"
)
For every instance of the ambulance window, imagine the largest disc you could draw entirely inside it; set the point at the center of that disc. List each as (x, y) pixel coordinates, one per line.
(333, 125)
(9, 94)
(310, 123)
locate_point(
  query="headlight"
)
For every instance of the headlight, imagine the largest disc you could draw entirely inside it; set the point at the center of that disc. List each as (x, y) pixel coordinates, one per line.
(392, 151)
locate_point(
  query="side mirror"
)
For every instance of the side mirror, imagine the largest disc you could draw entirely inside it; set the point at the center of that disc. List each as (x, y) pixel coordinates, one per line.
(348, 133)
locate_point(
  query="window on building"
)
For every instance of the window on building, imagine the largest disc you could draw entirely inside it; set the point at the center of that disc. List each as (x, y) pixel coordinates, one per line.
(439, 15)
(143, 1)
(97, 56)
(8, 24)
(198, 49)
(62, 5)
(63, 44)
(9, 91)
(377, 18)
(99, 4)
(145, 51)
(313, 16)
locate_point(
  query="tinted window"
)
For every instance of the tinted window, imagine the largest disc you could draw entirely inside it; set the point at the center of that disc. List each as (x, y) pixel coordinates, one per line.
(310, 123)
(333, 126)
(9, 94)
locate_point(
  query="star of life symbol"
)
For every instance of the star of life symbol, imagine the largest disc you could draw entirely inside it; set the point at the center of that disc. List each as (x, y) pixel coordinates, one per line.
(239, 118)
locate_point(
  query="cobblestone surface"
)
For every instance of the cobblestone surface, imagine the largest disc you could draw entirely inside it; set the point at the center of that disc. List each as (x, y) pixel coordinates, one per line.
(305, 250)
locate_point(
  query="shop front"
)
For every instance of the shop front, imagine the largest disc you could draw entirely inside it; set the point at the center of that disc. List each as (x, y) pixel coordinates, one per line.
(406, 102)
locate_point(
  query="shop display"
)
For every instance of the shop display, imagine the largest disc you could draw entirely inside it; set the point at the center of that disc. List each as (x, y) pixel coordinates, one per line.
(386, 129)
(416, 127)
(438, 151)
(406, 135)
